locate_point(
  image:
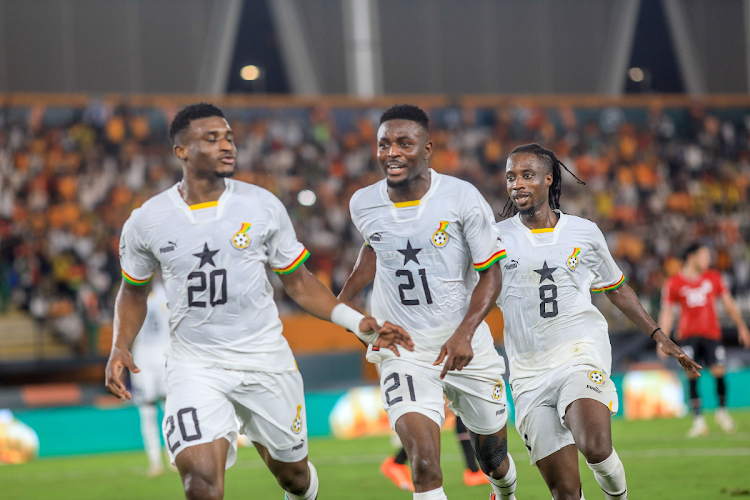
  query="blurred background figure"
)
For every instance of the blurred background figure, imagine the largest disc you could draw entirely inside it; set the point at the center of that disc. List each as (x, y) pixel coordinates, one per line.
(149, 385)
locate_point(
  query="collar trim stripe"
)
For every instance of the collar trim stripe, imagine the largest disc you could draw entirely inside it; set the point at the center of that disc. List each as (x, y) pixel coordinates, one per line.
(404, 204)
(543, 230)
(610, 287)
(207, 204)
(496, 257)
(294, 265)
(134, 281)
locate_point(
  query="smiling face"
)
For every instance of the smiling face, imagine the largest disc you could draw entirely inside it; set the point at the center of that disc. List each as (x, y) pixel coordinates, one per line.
(403, 151)
(528, 181)
(207, 147)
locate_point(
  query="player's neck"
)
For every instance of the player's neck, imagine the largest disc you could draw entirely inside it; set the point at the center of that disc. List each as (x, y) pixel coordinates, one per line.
(196, 190)
(691, 272)
(542, 217)
(413, 190)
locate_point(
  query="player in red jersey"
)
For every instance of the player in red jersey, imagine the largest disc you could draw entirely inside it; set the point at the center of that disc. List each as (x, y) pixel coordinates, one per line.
(695, 289)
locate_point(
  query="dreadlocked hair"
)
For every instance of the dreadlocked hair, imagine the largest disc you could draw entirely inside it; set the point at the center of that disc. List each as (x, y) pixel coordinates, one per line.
(550, 160)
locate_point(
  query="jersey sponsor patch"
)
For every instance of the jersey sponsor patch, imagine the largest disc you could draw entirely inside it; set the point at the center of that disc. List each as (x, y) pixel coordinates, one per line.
(497, 391)
(440, 237)
(240, 239)
(596, 377)
(573, 259)
(297, 423)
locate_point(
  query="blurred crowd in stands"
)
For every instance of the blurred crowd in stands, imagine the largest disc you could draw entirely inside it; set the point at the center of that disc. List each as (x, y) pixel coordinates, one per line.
(656, 180)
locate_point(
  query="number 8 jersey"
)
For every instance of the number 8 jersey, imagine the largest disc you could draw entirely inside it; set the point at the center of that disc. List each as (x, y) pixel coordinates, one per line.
(213, 259)
(428, 254)
(546, 299)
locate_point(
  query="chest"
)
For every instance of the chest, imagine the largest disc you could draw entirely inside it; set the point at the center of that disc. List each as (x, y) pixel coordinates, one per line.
(696, 295)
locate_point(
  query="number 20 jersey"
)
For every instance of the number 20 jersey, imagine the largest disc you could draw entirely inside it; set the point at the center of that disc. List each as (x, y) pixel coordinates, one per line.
(428, 254)
(546, 300)
(213, 259)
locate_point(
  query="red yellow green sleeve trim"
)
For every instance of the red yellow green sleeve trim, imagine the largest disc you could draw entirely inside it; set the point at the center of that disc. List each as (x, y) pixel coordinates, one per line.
(610, 287)
(294, 265)
(134, 281)
(497, 256)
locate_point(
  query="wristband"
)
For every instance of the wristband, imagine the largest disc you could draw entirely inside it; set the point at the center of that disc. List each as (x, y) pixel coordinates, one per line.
(350, 319)
(654, 332)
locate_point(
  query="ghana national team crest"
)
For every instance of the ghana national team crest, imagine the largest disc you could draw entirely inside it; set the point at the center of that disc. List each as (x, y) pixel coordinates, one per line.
(497, 391)
(573, 259)
(297, 423)
(596, 377)
(440, 237)
(241, 240)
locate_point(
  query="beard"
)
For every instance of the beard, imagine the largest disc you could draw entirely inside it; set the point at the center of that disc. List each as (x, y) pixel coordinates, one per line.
(397, 184)
(526, 211)
(224, 175)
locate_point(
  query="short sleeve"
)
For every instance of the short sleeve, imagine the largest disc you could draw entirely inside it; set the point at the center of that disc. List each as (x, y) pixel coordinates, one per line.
(607, 275)
(721, 286)
(668, 293)
(356, 218)
(285, 253)
(136, 260)
(483, 239)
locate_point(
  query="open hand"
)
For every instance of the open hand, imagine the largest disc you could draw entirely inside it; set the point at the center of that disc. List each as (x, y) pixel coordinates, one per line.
(671, 349)
(389, 335)
(744, 336)
(457, 353)
(119, 359)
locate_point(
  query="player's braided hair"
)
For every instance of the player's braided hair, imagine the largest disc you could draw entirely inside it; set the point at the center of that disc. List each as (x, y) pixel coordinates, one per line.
(189, 113)
(551, 161)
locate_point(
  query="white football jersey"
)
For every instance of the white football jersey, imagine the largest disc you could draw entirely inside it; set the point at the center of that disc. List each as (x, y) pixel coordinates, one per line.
(428, 254)
(213, 256)
(546, 299)
(150, 346)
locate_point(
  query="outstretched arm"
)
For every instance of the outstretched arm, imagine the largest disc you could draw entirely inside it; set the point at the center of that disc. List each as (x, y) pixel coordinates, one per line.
(666, 320)
(457, 351)
(315, 298)
(625, 299)
(130, 312)
(734, 312)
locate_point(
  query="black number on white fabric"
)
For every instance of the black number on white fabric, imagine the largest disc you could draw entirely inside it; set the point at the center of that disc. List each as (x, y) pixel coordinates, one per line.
(544, 311)
(217, 281)
(409, 285)
(170, 423)
(184, 433)
(396, 385)
(410, 383)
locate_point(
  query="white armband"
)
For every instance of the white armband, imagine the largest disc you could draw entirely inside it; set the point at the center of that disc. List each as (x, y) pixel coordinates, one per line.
(350, 319)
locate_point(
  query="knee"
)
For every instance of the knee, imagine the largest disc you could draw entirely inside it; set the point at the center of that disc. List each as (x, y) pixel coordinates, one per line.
(596, 449)
(563, 491)
(201, 488)
(294, 479)
(426, 470)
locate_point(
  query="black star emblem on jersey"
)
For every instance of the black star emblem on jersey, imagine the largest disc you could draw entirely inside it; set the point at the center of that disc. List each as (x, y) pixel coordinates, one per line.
(206, 256)
(410, 253)
(545, 272)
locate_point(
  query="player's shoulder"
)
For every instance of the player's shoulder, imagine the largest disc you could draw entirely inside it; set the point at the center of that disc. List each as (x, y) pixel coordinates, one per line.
(367, 197)
(713, 274)
(155, 207)
(255, 195)
(506, 226)
(456, 186)
(581, 223)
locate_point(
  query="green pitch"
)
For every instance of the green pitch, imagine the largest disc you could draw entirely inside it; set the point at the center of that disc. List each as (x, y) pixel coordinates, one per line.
(660, 464)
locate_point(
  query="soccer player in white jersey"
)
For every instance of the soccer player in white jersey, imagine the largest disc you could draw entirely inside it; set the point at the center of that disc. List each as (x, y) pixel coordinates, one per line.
(227, 361)
(149, 384)
(432, 251)
(557, 342)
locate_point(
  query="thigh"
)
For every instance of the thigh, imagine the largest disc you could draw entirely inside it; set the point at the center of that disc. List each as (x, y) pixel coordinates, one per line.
(586, 382)
(590, 424)
(406, 387)
(479, 397)
(204, 463)
(271, 411)
(543, 433)
(715, 353)
(693, 348)
(560, 471)
(198, 410)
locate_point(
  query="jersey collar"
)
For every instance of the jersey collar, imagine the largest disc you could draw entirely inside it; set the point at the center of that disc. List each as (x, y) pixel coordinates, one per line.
(174, 194)
(420, 203)
(541, 237)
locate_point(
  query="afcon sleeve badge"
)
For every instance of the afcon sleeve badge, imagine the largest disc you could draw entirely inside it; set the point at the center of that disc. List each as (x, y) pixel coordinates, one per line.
(497, 391)
(440, 237)
(297, 424)
(573, 259)
(241, 240)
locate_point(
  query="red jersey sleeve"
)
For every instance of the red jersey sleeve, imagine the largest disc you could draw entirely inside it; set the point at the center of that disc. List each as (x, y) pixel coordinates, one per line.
(669, 292)
(721, 287)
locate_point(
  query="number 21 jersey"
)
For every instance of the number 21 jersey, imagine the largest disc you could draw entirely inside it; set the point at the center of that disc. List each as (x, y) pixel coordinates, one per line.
(546, 300)
(213, 259)
(428, 254)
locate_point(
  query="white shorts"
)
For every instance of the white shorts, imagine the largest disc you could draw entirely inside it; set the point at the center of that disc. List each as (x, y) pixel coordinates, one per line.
(206, 404)
(540, 413)
(150, 384)
(476, 394)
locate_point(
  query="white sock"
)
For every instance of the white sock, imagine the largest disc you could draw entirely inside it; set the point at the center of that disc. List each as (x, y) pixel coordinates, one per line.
(505, 488)
(150, 433)
(437, 494)
(610, 474)
(312, 491)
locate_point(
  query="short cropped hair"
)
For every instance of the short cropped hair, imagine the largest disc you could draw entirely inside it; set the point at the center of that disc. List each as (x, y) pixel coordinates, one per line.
(690, 250)
(189, 113)
(406, 112)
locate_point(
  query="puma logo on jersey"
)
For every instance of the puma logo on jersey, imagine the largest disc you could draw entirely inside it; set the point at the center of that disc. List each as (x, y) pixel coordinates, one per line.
(376, 237)
(169, 247)
(511, 265)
